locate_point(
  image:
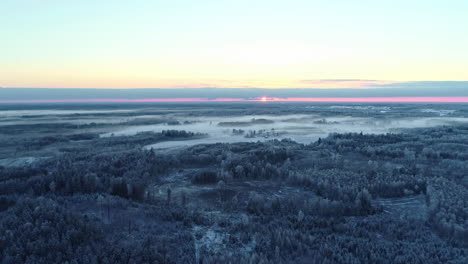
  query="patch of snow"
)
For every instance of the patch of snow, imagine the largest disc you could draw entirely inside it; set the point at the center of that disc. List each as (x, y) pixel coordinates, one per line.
(20, 162)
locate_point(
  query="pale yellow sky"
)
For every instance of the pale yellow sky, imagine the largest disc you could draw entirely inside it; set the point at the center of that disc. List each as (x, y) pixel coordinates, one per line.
(264, 44)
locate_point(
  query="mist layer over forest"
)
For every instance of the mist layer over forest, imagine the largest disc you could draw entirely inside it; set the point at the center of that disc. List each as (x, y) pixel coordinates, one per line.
(234, 183)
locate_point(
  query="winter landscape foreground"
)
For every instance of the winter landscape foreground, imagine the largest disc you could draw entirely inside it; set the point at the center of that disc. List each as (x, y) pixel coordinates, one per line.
(243, 182)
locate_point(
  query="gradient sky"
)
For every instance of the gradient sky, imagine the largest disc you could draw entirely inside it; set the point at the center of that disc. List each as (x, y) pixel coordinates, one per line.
(255, 43)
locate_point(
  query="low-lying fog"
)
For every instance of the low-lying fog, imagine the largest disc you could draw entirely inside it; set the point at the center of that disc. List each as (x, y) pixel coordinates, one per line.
(300, 128)
(239, 124)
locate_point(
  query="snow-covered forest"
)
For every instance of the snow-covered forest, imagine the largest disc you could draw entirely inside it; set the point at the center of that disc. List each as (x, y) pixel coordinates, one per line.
(78, 190)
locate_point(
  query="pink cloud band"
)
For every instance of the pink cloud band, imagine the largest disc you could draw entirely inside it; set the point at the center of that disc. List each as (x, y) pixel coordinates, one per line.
(262, 99)
(373, 99)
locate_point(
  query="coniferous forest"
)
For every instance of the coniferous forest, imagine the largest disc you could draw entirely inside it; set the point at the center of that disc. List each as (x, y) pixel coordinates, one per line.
(371, 190)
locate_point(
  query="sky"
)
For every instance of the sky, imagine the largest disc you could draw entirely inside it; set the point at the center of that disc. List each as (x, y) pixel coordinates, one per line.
(232, 44)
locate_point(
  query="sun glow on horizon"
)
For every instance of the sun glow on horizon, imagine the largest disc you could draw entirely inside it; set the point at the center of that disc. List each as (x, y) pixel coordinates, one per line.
(262, 99)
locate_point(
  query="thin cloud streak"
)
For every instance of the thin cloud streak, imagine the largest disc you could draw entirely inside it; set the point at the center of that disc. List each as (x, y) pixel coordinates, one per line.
(337, 80)
(342, 83)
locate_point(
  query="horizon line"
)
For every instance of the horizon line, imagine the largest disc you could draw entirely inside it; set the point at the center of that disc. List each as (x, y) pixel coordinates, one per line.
(263, 99)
